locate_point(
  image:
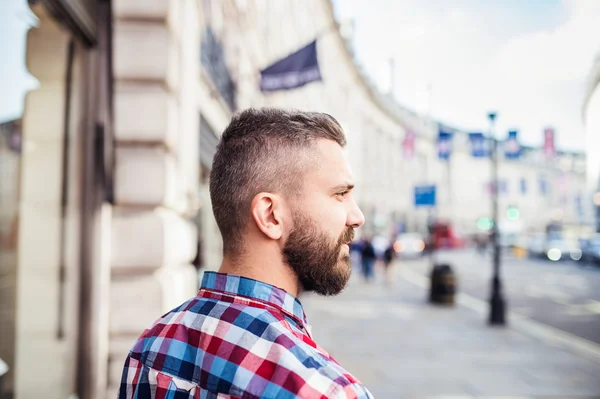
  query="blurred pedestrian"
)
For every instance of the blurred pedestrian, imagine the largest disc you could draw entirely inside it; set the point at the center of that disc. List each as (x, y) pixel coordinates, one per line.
(355, 254)
(481, 244)
(389, 255)
(286, 225)
(368, 257)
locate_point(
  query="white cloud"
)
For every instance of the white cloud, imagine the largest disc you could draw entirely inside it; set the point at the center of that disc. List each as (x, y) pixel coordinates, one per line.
(562, 54)
(479, 58)
(539, 77)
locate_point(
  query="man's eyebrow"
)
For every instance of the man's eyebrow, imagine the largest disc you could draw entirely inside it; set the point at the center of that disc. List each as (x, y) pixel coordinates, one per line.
(344, 186)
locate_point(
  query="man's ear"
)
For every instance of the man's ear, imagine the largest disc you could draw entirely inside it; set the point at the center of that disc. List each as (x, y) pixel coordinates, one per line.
(266, 209)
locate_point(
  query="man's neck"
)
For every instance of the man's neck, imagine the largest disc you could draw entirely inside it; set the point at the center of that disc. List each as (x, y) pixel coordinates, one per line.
(275, 273)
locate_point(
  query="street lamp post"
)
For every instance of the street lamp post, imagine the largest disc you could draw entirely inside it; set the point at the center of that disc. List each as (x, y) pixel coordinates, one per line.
(497, 303)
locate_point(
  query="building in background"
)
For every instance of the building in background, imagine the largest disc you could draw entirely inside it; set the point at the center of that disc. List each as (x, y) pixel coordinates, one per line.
(533, 191)
(542, 190)
(257, 34)
(591, 116)
(105, 175)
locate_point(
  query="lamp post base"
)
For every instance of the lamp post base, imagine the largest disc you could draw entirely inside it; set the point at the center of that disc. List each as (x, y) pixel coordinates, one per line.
(497, 309)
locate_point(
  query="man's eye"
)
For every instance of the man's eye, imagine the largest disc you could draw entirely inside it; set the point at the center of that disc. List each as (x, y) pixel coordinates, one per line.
(343, 193)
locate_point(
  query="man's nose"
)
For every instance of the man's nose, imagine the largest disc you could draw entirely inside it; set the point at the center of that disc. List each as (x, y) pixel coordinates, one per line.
(355, 217)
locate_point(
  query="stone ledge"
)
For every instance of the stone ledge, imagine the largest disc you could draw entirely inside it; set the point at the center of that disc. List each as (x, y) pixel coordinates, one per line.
(145, 112)
(151, 9)
(137, 301)
(145, 176)
(145, 51)
(150, 239)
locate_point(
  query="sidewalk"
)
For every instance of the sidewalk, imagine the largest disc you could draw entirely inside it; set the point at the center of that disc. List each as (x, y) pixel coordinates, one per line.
(400, 346)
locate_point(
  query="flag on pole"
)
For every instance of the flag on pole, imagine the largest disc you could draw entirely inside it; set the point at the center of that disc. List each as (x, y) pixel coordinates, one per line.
(444, 144)
(512, 148)
(549, 147)
(295, 70)
(408, 145)
(478, 145)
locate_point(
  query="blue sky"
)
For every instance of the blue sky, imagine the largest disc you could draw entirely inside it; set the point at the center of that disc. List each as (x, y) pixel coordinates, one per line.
(15, 18)
(458, 59)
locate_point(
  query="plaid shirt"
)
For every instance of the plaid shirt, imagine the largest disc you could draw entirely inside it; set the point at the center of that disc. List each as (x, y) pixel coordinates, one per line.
(238, 338)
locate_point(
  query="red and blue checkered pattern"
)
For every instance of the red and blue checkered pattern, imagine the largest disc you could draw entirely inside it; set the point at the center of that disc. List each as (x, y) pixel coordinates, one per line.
(238, 338)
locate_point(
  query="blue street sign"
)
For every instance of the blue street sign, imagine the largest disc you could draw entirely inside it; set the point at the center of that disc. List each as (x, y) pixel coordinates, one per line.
(424, 196)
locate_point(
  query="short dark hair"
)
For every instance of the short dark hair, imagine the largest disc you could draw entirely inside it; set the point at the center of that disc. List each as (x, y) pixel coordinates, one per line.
(260, 151)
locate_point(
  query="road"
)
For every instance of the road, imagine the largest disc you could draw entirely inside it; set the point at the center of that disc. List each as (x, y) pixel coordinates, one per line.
(397, 343)
(564, 295)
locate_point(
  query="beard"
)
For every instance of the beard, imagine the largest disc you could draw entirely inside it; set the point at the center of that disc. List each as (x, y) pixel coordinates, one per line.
(316, 259)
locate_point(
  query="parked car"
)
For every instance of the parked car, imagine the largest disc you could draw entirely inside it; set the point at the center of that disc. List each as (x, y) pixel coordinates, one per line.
(409, 245)
(591, 250)
(554, 247)
(561, 248)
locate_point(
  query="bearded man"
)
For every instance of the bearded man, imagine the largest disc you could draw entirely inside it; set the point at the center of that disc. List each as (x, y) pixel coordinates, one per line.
(281, 192)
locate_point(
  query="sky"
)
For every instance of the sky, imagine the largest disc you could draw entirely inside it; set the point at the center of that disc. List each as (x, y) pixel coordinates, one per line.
(457, 60)
(15, 81)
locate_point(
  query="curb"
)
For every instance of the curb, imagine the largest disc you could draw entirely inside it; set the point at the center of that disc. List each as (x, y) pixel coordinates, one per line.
(520, 322)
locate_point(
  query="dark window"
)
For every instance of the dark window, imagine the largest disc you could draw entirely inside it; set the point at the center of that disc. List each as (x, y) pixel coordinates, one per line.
(213, 61)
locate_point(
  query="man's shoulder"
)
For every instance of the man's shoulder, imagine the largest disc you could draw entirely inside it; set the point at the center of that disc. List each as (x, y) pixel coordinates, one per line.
(212, 317)
(204, 327)
(216, 344)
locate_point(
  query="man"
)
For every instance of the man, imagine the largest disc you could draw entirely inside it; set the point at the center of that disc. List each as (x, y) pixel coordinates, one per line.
(281, 191)
(368, 258)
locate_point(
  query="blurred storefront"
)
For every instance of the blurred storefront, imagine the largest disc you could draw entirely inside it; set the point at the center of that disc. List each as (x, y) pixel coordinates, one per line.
(591, 116)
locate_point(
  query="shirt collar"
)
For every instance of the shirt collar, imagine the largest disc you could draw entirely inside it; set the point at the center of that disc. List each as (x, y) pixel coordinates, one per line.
(247, 287)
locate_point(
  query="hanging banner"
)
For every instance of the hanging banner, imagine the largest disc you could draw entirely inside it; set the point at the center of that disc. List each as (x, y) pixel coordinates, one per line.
(408, 145)
(512, 148)
(478, 145)
(444, 144)
(543, 185)
(549, 147)
(293, 71)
